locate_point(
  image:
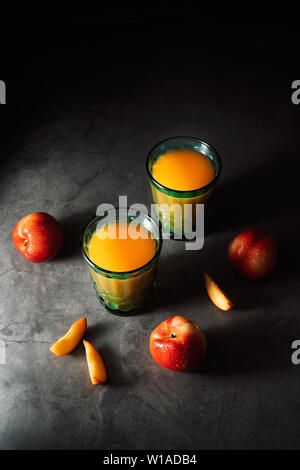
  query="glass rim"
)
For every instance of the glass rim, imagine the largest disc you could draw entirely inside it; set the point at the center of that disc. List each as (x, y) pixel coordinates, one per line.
(118, 274)
(192, 192)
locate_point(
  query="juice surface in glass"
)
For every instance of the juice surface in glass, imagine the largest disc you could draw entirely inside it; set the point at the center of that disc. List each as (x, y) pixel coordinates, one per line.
(183, 170)
(109, 250)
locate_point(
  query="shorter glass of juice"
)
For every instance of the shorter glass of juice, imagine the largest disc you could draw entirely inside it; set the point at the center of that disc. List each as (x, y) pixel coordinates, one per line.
(122, 252)
(181, 171)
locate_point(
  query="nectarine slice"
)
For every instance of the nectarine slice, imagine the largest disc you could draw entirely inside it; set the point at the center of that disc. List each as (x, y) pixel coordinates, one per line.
(67, 343)
(97, 369)
(218, 297)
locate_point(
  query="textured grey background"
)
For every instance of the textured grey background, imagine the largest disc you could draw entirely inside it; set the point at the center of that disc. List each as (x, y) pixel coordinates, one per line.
(83, 115)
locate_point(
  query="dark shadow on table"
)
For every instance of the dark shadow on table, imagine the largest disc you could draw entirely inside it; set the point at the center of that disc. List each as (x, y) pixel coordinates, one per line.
(72, 227)
(255, 195)
(253, 344)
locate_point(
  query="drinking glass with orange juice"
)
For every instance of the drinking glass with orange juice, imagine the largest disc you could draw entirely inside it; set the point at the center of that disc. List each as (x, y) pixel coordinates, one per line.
(122, 261)
(181, 171)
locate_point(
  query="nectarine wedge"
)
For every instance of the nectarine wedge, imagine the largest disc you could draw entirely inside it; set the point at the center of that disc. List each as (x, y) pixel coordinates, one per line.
(67, 343)
(97, 369)
(218, 297)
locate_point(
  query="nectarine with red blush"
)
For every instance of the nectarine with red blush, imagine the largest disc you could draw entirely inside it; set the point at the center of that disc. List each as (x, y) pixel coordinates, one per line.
(38, 237)
(178, 344)
(253, 253)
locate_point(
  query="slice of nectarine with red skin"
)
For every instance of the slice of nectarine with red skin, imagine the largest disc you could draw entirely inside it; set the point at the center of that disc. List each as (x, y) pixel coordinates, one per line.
(96, 366)
(215, 293)
(67, 343)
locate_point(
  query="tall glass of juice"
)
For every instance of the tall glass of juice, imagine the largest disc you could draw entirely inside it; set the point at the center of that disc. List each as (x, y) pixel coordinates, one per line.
(122, 251)
(182, 172)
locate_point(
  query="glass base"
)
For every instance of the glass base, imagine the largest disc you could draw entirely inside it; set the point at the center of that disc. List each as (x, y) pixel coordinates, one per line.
(128, 311)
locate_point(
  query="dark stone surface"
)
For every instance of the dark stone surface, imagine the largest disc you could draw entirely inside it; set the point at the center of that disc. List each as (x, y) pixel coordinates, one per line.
(87, 104)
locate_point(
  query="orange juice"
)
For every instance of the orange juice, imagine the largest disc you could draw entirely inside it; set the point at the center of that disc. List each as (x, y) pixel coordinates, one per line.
(121, 254)
(180, 178)
(183, 170)
(123, 265)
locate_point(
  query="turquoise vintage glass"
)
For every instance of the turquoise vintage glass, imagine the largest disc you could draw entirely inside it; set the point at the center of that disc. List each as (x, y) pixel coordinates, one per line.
(122, 293)
(163, 195)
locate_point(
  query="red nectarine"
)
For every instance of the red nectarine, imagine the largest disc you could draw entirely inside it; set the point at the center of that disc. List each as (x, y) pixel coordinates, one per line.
(38, 237)
(253, 253)
(178, 344)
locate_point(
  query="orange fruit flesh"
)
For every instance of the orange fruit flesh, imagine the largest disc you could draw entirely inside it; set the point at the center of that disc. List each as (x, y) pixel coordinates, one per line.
(67, 343)
(96, 366)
